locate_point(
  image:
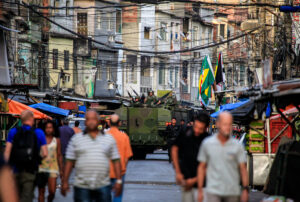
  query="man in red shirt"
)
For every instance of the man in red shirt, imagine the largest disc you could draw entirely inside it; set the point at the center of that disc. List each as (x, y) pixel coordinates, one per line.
(123, 144)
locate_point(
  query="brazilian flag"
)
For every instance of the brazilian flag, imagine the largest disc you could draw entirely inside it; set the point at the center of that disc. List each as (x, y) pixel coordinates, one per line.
(206, 80)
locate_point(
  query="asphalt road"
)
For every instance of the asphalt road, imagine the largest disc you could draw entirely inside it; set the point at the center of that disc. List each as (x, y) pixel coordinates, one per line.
(151, 180)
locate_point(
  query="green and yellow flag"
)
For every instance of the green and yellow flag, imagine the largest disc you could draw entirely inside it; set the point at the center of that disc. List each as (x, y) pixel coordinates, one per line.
(206, 80)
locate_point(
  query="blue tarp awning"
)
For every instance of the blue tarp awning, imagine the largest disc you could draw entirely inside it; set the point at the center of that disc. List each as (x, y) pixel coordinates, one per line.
(228, 107)
(50, 108)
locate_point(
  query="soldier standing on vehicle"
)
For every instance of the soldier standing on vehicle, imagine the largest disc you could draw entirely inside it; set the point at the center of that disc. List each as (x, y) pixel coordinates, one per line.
(184, 155)
(173, 131)
(151, 99)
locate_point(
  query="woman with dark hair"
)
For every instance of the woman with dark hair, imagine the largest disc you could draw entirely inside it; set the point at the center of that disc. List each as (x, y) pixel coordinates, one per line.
(51, 166)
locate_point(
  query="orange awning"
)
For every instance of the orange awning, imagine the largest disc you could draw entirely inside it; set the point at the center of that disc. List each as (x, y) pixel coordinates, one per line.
(17, 107)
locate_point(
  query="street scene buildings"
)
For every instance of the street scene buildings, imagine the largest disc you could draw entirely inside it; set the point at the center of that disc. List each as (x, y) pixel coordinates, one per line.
(160, 72)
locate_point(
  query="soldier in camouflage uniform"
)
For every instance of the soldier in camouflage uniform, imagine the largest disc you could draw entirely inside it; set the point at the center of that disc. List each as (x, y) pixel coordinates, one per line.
(151, 100)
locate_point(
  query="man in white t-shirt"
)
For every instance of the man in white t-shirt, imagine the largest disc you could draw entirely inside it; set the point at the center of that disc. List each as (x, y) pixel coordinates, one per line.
(223, 162)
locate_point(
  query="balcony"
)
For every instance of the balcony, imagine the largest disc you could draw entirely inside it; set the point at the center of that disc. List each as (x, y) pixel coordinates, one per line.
(146, 81)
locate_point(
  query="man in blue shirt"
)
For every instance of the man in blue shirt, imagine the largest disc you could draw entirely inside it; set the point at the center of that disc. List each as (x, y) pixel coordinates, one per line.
(25, 172)
(65, 133)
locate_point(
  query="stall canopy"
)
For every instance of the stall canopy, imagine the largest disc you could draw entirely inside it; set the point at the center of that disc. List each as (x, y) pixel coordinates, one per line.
(228, 107)
(16, 108)
(51, 109)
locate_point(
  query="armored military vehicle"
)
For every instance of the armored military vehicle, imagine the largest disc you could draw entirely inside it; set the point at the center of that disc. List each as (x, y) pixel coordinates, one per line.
(146, 126)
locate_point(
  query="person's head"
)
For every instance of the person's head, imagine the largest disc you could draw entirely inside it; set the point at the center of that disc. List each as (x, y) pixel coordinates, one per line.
(49, 128)
(114, 120)
(173, 121)
(65, 122)
(182, 122)
(201, 123)
(191, 123)
(150, 93)
(224, 123)
(77, 123)
(27, 117)
(91, 120)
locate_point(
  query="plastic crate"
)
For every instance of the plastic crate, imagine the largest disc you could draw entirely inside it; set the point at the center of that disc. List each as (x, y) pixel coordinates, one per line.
(276, 125)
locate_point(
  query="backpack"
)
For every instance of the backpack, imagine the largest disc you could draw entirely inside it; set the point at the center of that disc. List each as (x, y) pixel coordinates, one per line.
(25, 154)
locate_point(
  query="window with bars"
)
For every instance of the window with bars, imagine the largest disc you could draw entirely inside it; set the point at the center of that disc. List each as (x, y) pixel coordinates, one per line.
(119, 21)
(66, 60)
(55, 58)
(82, 27)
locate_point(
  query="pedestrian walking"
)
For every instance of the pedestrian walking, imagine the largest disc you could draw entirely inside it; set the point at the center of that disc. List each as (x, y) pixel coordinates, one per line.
(76, 127)
(124, 148)
(8, 190)
(184, 155)
(92, 152)
(66, 133)
(23, 148)
(52, 166)
(223, 164)
(173, 132)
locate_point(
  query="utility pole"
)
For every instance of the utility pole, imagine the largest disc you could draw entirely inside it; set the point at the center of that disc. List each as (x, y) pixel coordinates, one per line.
(288, 30)
(40, 69)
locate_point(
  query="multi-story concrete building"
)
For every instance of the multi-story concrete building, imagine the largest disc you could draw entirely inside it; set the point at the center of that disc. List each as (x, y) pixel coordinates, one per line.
(60, 44)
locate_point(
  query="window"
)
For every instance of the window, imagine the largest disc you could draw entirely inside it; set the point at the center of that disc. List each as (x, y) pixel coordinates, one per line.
(55, 58)
(242, 76)
(55, 5)
(222, 31)
(119, 21)
(161, 74)
(163, 31)
(99, 16)
(109, 17)
(229, 77)
(177, 31)
(176, 77)
(171, 31)
(185, 26)
(82, 27)
(131, 61)
(171, 77)
(209, 35)
(67, 8)
(145, 66)
(146, 32)
(66, 60)
(195, 36)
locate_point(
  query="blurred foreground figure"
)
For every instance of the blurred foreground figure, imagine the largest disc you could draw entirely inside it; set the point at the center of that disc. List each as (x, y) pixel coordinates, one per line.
(8, 190)
(52, 166)
(90, 153)
(23, 148)
(124, 148)
(223, 164)
(184, 155)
